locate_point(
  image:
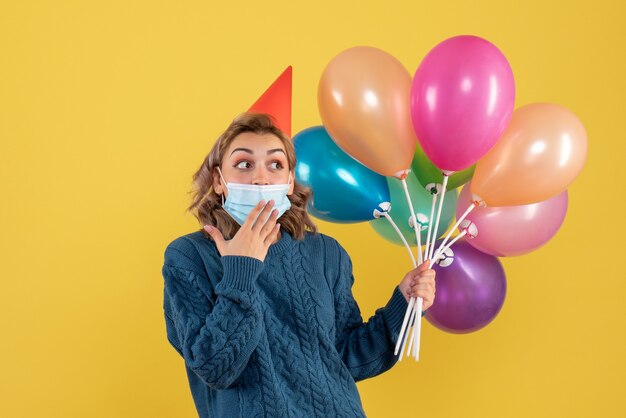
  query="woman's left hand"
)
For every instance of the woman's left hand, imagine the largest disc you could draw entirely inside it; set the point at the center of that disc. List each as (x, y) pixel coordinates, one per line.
(420, 282)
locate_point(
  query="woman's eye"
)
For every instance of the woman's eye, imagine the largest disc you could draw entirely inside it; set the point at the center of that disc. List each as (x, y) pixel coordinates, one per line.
(243, 164)
(276, 165)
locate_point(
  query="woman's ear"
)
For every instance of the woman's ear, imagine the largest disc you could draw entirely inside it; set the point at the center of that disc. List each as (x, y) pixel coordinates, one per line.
(217, 182)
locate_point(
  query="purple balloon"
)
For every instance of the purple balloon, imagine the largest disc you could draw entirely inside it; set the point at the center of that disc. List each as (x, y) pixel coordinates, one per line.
(462, 100)
(470, 290)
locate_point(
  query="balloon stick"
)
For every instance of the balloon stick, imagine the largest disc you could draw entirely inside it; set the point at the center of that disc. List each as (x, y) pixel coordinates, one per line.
(409, 310)
(406, 244)
(456, 225)
(443, 195)
(416, 321)
(416, 226)
(436, 188)
(416, 331)
(383, 210)
(469, 229)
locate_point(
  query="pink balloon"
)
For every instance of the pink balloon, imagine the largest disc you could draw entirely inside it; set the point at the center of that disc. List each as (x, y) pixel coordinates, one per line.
(514, 230)
(462, 99)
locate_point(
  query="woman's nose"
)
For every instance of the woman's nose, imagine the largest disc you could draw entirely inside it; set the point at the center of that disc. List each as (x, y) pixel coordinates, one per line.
(261, 177)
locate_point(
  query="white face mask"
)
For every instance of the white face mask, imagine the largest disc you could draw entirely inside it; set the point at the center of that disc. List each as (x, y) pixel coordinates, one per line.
(242, 198)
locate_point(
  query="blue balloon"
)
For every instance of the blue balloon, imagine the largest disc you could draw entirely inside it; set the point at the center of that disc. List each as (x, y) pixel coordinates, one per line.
(344, 190)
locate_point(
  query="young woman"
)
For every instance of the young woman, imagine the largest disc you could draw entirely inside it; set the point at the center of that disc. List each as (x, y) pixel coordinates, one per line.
(259, 304)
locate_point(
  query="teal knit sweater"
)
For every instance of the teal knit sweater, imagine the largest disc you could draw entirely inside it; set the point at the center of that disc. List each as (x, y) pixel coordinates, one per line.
(278, 338)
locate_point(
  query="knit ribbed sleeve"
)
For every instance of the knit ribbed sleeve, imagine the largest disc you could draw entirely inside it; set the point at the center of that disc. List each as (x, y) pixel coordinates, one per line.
(214, 329)
(365, 347)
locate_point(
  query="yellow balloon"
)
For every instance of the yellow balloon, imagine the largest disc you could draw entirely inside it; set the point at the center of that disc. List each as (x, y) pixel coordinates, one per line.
(539, 155)
(363, 99)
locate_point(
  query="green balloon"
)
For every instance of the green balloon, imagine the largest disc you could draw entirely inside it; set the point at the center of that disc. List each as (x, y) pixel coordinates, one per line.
(427, 172)
(422, 203)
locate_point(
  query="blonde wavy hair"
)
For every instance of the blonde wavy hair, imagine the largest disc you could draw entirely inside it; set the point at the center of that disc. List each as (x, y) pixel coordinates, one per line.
(206, 204)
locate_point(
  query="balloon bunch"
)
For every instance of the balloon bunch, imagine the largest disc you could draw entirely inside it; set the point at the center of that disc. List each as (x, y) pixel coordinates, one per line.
(387, 136)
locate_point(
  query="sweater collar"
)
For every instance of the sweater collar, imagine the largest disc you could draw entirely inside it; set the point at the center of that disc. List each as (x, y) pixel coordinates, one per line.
(278, 247)
(282, 244)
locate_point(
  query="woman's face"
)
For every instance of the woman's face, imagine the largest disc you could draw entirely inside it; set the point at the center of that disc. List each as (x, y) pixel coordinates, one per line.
(254, 159)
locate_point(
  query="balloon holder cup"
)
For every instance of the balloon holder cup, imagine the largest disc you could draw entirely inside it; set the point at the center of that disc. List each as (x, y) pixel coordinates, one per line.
(434, 188)
(422, 221)
(382, 208)
(446, 258)
(470, 228)
(478, 201)
(402, 174)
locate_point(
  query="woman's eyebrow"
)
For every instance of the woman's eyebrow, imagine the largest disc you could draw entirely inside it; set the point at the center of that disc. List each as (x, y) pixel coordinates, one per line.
(275, 150)
(249, 151)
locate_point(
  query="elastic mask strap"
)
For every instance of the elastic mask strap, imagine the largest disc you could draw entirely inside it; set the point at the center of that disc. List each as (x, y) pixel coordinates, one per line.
(223, 181)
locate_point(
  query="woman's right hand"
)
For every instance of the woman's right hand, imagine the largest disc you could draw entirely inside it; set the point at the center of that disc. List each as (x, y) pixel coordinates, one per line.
(253, 238)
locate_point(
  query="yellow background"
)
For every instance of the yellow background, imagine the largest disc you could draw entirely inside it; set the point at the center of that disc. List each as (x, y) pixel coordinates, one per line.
(107, 108)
